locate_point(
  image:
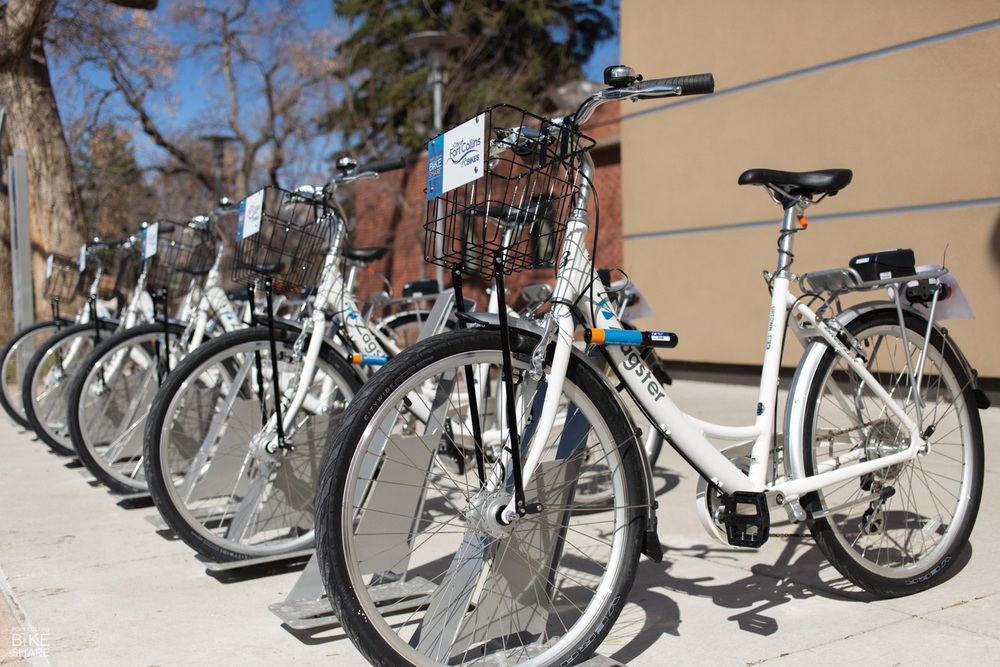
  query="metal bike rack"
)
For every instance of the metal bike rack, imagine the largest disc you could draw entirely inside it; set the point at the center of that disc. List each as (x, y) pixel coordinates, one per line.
(306, 605)
(308, 592)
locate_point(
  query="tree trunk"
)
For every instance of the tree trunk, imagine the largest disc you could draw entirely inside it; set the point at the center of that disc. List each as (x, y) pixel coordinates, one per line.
(55, 210)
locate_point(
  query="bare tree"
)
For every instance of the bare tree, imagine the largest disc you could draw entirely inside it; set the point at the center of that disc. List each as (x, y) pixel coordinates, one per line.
(264, 79)
(264, 73)
(32, 123)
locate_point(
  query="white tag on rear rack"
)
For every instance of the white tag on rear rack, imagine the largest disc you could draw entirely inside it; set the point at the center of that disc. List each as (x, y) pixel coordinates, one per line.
(456, 157)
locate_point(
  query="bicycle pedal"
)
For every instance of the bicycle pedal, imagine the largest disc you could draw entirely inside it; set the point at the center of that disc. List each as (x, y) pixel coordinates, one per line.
(743, 528)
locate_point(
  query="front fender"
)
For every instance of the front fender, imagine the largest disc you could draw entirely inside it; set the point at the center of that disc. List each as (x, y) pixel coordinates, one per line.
(651, 544)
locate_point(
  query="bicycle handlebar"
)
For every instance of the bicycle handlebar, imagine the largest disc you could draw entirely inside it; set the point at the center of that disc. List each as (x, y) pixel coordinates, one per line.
(349, 172)
(692, 84)
(634, 88)
(382, 166)
(624, 85)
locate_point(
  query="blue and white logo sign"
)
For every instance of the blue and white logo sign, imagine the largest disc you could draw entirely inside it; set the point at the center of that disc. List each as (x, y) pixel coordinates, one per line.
(149, 237)
(251, 210)
(456, 157)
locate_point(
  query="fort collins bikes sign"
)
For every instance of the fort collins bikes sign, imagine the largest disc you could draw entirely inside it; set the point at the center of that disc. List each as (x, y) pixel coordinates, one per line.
(456, 157)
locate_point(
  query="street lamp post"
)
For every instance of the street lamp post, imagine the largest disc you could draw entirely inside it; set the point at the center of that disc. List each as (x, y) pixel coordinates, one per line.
(436, 45)
(218, 142)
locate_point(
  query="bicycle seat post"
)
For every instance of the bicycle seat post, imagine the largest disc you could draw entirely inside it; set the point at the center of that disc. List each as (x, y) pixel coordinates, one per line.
(789, 225)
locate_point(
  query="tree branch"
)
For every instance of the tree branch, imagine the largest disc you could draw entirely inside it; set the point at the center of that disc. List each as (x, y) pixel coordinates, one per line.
(148, 5)
(20, 21)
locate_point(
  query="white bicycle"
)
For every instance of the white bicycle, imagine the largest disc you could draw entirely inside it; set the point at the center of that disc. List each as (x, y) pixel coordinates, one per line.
(503, 562)
(113, 388)
(50, 371)
(68, 281)
(234, 437)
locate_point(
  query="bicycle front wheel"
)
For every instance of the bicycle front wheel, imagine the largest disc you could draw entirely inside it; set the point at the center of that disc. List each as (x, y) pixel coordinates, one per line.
(898, 530)
(208, 465)
(14, 359)
(47, 380)
(415, 561)
(110, 398)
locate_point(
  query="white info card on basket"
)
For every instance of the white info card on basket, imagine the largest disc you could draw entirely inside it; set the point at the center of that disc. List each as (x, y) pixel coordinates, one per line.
(456, 157)
(251, 210)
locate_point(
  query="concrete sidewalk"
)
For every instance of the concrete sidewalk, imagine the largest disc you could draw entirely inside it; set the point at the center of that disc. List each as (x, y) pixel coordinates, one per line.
(90, 581)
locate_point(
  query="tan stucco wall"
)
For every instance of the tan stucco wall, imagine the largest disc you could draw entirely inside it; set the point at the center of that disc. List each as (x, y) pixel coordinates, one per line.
(885, 91)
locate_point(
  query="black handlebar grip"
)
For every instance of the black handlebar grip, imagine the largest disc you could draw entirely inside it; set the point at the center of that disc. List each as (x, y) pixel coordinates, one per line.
(381, 166)
(692, 84)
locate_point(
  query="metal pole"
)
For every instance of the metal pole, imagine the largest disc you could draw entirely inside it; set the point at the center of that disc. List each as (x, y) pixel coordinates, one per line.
(20, 241)
(436, 45)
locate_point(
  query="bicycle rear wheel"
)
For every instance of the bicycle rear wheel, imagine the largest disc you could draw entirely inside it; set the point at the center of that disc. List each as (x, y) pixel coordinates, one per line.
(207, 467)
(404, 327)
(910, 540)
(415, 563)
(47, 380)
(109, 399)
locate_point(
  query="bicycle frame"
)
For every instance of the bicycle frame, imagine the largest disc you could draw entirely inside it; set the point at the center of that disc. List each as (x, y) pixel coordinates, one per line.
(198, 303)
(689, 435)
(335, 292)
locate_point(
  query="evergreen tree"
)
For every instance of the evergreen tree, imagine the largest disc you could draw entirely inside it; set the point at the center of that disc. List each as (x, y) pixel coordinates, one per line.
(116, 197)
(515, 51)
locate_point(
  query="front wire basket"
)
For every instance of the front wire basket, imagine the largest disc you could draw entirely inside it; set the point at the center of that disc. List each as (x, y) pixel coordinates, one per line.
(120, 267)
(282, 236)
(63, 279)
(520, 205)
(183, 253)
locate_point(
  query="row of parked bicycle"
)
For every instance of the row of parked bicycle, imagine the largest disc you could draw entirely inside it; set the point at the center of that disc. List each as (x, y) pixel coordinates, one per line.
(483, 495)
(163, 393)
(87, 384)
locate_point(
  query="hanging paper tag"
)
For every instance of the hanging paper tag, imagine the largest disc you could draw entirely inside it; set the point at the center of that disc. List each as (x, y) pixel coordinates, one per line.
(251, 210)
(456, 157)
(48, 267)
(149, 238)
(955, 306)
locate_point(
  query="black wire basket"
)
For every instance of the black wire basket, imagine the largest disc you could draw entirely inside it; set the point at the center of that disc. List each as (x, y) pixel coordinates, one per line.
(282, 236)
(519, 202)
(184, 253)
(64, 281)
(120, 267)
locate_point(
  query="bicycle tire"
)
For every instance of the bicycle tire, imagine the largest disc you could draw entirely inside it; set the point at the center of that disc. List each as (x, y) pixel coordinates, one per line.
(383, 537)
(14, 357)
(107, 410)
(47, 380)
(910, 541)
(201, 461)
